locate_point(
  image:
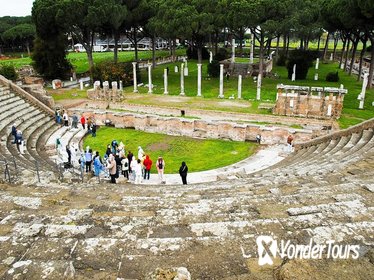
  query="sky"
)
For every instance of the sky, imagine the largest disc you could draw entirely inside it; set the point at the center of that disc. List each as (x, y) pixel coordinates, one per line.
(15, 7)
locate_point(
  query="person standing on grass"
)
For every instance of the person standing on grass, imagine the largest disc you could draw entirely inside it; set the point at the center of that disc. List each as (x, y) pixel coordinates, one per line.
(112, 167)
(160, 169)
(140, 153)
(83, 122)
(183, 172)
(148, 165)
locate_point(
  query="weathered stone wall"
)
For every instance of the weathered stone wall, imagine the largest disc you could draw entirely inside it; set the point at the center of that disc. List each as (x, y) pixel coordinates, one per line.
(39, 93)
(322, 103)
(198, 128)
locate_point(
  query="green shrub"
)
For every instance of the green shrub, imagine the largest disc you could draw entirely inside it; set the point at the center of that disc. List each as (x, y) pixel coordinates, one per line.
(332, 77)
(282, 58)
(192, 53)
(213, 68)
(114, 72)
(222, 54)
(9, 72)
(303, 60)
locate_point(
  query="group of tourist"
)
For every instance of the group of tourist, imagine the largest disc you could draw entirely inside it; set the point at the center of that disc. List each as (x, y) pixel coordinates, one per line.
(117, 162)
(65, 120)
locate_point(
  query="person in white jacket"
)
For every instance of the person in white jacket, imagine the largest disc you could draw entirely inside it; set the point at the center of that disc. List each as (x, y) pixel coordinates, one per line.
(133, 165)
(138, 172)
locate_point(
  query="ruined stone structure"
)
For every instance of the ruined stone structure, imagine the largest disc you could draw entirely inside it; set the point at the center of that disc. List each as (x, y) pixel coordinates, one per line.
(197, 128)
(246, 69)
(309, 102)
(106, 93)
(66, 229)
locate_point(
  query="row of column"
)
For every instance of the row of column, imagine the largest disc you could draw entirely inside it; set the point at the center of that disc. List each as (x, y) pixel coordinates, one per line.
(199, 80)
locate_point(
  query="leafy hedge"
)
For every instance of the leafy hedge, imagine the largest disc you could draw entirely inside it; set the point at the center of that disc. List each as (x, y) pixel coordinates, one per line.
(303, 60)
(213, 68)
(332, 77)
(192, 53)
(9, 72)
(114, 72)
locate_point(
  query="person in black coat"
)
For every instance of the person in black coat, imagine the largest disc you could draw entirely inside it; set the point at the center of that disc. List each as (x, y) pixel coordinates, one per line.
(183, 172)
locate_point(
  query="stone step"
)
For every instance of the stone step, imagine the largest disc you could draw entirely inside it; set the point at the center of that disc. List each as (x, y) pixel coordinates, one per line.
(6, 96)
(12, 109)
(10, 100)
(16, 118)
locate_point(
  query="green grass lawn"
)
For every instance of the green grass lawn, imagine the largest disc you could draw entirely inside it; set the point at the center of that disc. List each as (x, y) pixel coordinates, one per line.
(80, 63)
(210, 89)
(199, 154)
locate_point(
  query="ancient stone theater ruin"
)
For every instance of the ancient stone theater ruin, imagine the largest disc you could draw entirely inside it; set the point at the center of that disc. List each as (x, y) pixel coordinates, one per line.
(57, 225)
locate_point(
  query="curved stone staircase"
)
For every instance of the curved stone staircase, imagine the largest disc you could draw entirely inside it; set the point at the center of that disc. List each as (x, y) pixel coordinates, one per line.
(324, 190)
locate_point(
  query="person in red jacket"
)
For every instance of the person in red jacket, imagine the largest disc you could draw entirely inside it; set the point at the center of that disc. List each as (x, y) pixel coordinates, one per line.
(148, 165)
(83, 122)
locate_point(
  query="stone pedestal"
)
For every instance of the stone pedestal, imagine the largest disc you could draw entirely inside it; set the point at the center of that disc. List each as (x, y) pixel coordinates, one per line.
(221, 95)
(316, 77)
(176, 69)
(106, 89)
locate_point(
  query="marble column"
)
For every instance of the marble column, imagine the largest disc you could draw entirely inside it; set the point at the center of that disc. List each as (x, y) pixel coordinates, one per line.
(150, 86)
(363, 91)
(258, 95)
(252, 48)
(199, 79)
(293, 78)
(182, 79)
(221, 81)
(240, 87)
(134, 75)
(233, 50)
(166, 81)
